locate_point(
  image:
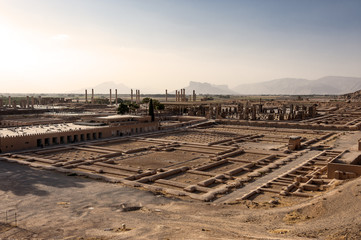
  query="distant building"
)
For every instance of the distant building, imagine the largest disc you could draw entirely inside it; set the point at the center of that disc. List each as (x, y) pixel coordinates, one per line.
(91, 128)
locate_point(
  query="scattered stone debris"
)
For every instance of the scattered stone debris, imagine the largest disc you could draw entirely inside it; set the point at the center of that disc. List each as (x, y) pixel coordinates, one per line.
(128, 207)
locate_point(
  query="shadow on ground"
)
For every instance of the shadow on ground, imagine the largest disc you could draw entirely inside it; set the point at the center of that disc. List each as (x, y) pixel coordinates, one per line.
(22, 180)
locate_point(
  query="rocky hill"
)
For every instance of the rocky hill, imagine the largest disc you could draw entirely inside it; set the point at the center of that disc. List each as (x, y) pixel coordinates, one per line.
(292, 86)
(355, 95)
(207, 88)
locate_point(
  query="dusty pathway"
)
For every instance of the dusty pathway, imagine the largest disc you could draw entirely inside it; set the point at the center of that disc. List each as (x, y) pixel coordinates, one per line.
(261, 181)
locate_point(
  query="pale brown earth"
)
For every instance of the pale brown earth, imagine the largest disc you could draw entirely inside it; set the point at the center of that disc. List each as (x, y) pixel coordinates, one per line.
(52, 205)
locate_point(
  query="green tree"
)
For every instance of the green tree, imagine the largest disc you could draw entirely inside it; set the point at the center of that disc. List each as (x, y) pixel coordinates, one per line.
(160, 106)
(123, 107)
(133, 106)
(146, 100)
(151, 109)
(157, 105)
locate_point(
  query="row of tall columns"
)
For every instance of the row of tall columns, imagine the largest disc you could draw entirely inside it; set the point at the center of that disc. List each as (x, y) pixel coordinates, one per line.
(116, 97)
(183, 95)
(180, 96)
(23, 103)
(137, 96)
(92, 96)
(110, 96)
(176, 96)
(249, 111)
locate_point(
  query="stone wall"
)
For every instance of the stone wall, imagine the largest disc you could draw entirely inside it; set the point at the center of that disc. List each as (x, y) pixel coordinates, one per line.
(297, 125)
(23, 142)
(343, 171)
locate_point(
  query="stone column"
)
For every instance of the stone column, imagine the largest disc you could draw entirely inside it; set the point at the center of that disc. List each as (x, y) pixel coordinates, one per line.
(217, 113)
(253, 112)
(166, 95)
(240, 111)
(9, 102)
(210, 112)
(245, 112)
(284, 109)
(291, 109)
(110, 96)
(291, 112)
(14, 104)
(32, 102)
(27, 102)
(312, 111)
(116, 96)
(92, 96)
(136, 96)
(194, 96)
(131, 95)
(86, 96)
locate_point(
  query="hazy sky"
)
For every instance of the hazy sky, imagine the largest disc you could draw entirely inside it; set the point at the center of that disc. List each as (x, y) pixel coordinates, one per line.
(61, 45)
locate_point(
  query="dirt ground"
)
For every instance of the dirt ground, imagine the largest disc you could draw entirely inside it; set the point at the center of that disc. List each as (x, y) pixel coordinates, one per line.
(51, 205)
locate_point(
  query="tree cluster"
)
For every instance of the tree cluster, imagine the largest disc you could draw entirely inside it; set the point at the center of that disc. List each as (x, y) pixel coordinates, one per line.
(126, 106)
(156, 104)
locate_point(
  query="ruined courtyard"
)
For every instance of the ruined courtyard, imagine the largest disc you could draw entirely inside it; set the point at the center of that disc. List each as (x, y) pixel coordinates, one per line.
(241, 171)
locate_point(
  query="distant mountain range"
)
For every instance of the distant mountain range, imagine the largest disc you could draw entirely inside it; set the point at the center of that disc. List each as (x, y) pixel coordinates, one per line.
(286, 86)
(294, 86)
(207, 88)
